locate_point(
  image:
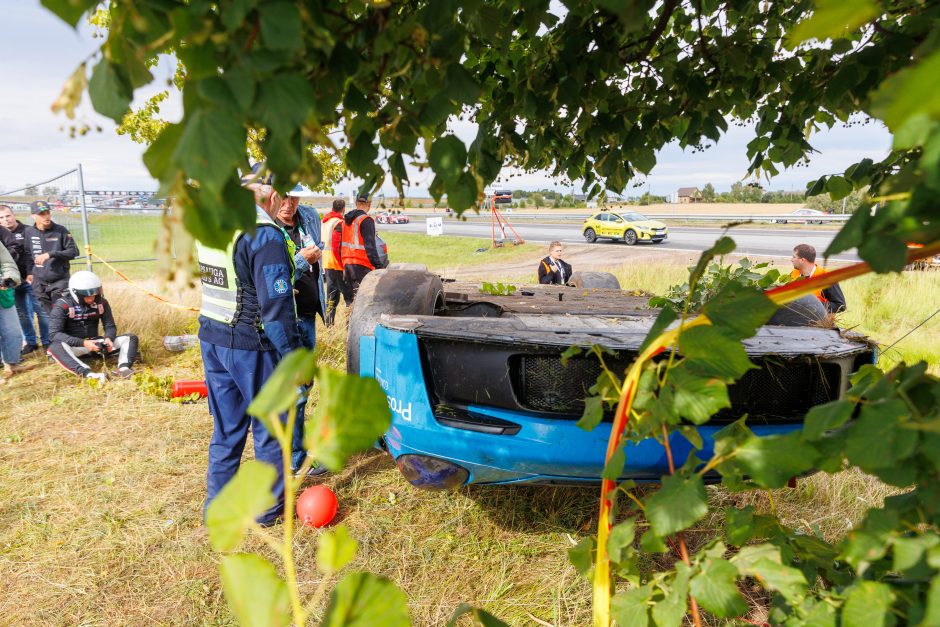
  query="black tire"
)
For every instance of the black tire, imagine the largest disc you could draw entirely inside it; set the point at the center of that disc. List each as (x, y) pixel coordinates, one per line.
(806, 311)
(594, 279)
(629, 237)
(401, 292)
(590, 235)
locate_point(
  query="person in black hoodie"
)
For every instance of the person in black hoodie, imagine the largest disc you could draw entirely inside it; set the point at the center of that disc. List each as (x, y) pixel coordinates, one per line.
(360, 246)
(552, 270)
(26, 304)
(52, 248)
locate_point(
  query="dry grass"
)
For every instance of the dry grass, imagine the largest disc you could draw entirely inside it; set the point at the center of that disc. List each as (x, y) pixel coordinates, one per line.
(100, 503)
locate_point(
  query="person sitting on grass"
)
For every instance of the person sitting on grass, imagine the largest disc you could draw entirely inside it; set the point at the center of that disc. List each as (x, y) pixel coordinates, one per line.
(74, 329)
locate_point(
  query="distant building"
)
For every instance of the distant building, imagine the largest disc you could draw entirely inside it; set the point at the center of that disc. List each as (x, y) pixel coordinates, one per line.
(689, 195)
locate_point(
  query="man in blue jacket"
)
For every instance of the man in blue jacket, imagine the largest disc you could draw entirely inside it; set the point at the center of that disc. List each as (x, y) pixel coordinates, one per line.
(247, 323)
(302, 225)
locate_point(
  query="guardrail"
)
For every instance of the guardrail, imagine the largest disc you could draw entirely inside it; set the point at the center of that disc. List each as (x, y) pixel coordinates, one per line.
(678, 217)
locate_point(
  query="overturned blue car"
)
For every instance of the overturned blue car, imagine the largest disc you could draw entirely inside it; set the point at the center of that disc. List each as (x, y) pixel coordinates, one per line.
(478, 392)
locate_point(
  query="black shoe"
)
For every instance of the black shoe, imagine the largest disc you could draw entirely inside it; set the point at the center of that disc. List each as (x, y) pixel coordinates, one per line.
(29, 348)
(315, 470)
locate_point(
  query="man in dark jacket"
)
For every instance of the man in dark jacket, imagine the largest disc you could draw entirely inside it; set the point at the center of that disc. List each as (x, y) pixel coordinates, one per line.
(52, 248)
(81, 323)
(552, 270)
(359, 248)
(26, 303)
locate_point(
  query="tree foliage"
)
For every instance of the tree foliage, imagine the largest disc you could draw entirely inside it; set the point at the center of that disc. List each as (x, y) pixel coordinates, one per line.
(589, 92)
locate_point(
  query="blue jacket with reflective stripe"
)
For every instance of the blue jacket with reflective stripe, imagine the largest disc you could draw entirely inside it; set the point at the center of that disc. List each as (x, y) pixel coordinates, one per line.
(267, 297)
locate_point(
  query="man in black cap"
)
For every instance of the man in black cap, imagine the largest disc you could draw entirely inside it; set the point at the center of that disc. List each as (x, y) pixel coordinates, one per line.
(52, 248)
(360, 248)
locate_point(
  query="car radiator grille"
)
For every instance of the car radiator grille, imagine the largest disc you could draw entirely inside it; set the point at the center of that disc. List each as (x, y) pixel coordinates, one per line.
(777, 391)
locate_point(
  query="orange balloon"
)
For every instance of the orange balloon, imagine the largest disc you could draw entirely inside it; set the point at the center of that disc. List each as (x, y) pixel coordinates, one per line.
(317, 506)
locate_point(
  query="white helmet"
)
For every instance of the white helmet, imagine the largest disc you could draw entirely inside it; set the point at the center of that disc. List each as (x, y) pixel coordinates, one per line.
(84, 283)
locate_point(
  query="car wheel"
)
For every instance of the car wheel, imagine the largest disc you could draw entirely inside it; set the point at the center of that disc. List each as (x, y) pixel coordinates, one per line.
(806, 311)
(594, 279)
(629, 237)
(590, 236)
(390, 291)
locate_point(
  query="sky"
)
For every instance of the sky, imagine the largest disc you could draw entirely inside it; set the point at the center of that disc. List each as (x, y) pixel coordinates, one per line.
(40, 52)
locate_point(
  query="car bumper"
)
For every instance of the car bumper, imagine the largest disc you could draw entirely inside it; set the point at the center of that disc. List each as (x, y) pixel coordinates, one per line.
(535, 449)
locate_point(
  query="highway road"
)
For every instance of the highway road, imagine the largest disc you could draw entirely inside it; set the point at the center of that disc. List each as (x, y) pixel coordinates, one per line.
(771, 241)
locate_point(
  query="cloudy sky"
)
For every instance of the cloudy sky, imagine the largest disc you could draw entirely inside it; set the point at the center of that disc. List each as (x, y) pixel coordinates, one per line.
(39, 53)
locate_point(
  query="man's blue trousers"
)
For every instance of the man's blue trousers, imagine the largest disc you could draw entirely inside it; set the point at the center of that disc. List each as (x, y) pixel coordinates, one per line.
(233, 378)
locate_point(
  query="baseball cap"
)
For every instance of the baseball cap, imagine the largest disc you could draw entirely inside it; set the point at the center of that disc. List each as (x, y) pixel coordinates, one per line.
(298, 191)
(363, 197)
(39, 206)
(256, 177)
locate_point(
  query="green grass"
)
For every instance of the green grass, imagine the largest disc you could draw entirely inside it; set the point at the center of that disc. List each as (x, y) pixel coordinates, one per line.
(100, 503)
(444, 252)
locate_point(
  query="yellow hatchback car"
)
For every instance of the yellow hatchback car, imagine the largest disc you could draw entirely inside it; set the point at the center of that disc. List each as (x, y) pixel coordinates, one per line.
(631, 227)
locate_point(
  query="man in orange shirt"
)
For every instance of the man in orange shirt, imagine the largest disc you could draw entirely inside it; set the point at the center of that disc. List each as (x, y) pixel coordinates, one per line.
(804, 267)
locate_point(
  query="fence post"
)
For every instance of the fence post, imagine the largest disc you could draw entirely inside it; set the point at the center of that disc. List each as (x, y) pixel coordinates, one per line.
(81, 200)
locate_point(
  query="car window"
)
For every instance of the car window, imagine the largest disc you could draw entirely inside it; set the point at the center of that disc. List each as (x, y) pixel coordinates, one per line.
(635, 217)
(599, 217)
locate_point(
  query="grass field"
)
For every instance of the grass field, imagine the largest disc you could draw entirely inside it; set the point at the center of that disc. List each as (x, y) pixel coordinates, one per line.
(100, 503)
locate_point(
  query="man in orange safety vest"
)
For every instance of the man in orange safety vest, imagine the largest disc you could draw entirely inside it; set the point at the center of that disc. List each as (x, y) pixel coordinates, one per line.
(359, 248)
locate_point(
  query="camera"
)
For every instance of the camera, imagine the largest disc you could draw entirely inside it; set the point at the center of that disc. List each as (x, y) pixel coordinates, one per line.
(102, 345)
(8, 282)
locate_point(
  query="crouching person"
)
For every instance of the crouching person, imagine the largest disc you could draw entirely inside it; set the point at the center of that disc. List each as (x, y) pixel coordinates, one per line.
(74, 329)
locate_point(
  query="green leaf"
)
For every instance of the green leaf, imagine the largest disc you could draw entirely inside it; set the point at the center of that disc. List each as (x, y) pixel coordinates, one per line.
(284, 102)
(884, 254)
(739, 309)
(630, 608)
(697, 398)
(462, 193)
(110, 90)
(69, 11)
(362, 154)
(670, 611)
(908, 552)
(678, 504)
(868, 604)
(280, 25)
(581, 556)
(823, 418)
(281, 390)
(833, 18)
(620, 541)
(711, 352)
(211, 146)
(241, 501)
(461, 86)
(909, 93)
(932, 611)
(335, 549)
(722, 246)
(666, 317)
(838, 187)
(257, 596)
(763, 562)
(877, 439)
(159, 156)
(448, 158)
(351, 414)
(363, 600)
(770, 461)
(614, 468)
(715, 590)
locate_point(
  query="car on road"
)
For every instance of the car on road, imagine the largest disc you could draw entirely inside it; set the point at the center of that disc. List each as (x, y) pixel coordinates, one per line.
(479, 395)
(800, 216)
(631, 227)
(384, 217)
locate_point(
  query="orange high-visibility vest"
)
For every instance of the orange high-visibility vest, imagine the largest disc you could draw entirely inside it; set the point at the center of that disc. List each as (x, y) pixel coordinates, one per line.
(330, 262)
(353, 248)
(795, 275)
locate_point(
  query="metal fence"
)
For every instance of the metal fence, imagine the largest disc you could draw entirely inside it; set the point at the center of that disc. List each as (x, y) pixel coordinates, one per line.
(119, 228)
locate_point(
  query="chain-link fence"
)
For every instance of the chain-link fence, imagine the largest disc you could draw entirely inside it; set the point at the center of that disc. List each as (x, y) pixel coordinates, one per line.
(120, 228)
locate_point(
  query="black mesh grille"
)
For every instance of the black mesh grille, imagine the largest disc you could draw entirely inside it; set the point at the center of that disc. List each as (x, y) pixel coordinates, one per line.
(543, 384)
(785, 390)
